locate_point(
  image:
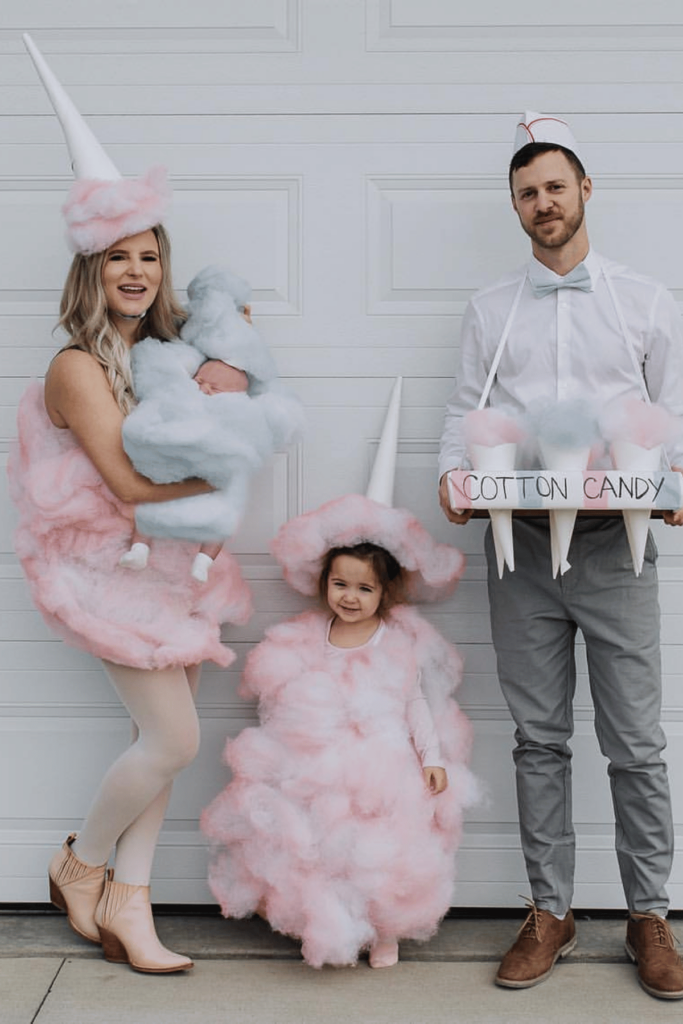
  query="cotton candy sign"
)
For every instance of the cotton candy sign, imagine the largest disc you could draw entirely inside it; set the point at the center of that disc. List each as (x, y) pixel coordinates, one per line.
(569, 435)
(549, 489)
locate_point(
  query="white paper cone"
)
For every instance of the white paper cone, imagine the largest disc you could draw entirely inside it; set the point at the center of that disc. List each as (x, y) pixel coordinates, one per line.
(561, 532)
(562, 519)
(628, 456)
(637, 522)
(501, 525)
(498, 458)
(381, 485)
(88, 158)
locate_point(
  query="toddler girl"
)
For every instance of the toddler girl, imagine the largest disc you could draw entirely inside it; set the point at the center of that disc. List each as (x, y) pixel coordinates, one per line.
(342, 818)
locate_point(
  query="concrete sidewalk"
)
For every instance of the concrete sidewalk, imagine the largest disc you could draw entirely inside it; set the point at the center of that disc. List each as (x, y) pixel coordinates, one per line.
(246, 975)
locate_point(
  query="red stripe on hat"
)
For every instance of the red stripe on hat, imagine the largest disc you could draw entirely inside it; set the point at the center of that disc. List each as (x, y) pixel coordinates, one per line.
(538, 120)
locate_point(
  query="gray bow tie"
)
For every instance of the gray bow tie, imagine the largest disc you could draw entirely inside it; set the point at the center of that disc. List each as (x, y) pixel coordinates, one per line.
(576, 278)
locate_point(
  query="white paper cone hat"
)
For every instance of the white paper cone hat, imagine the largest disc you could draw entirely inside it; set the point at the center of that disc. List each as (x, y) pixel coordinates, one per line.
(498, 458)
(102, 206)
(88, 158)
(629, 456)
(535, 127)
(562, 519)
(302, 543)
(381, 485)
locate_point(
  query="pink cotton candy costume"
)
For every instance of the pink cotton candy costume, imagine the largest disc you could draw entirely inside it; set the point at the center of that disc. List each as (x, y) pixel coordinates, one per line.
(327, 826)
(72, 531)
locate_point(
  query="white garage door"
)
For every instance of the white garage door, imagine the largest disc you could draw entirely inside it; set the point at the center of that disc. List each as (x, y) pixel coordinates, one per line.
(348, 157)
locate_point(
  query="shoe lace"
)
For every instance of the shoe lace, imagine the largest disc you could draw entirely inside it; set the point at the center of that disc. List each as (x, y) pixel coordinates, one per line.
(663, 934)
(531, 928)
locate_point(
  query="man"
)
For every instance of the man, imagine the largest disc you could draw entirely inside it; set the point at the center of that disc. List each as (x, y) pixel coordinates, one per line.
(577, 326)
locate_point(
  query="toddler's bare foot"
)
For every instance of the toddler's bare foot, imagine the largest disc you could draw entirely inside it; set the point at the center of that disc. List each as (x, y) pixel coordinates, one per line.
(384, 953)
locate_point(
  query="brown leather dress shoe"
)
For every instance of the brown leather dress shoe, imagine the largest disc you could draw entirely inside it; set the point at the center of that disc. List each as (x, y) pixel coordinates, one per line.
(540, 942)
(651, 945)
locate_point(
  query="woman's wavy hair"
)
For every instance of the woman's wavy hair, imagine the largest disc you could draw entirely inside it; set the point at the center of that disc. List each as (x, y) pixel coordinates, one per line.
(84, 316)
(387, 570)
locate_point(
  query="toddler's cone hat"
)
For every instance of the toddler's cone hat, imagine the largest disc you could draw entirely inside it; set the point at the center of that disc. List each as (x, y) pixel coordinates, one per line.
(102, 206)
(300, 546)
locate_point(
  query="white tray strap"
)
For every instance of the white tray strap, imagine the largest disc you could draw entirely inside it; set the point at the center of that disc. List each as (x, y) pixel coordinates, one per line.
(640, 373)
(501, 346)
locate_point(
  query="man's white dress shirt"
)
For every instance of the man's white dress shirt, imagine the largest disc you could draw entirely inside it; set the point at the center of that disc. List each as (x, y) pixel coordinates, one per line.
(567, 345)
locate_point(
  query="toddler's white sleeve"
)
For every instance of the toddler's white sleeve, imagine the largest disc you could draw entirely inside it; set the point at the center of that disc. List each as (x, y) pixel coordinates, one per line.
(422, 729)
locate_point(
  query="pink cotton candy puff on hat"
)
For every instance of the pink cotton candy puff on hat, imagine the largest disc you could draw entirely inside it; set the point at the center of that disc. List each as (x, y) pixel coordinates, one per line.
(99, 213)
(301, 544)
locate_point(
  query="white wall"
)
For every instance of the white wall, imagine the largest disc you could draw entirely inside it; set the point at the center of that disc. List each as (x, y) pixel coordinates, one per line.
(349, 158)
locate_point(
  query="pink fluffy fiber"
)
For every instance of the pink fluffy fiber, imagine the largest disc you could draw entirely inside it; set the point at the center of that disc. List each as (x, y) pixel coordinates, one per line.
(638, 422)
(72, 531)
(490, 427)
(326, 827)
(99, 213)
(302, 543)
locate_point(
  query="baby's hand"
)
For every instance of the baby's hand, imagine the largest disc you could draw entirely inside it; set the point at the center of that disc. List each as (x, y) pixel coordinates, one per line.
(436, 779)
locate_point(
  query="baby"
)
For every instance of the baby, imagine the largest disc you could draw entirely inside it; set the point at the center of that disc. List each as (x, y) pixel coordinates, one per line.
(214, 377)
(210, 405)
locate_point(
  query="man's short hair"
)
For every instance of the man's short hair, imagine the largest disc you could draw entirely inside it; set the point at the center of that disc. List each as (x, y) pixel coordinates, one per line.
(524, 156)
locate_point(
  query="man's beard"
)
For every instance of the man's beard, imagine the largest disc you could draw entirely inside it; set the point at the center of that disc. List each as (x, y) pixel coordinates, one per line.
(571, 225)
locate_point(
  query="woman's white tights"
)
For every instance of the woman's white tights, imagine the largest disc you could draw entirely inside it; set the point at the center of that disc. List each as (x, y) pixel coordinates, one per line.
(129, 807)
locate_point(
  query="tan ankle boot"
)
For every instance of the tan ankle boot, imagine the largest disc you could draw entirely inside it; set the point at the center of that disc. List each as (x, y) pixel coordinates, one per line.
(126, 927)
(76, 888)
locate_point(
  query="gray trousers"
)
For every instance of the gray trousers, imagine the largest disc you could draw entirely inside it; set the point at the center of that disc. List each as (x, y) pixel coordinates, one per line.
(534, 621)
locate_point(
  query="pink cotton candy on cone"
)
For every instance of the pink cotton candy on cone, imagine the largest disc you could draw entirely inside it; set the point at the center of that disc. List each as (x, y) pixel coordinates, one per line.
(497, 458)
(629, 456)
(562, 519)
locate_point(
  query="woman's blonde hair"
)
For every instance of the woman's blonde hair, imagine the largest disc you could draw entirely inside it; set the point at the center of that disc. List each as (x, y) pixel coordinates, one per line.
(84, 315)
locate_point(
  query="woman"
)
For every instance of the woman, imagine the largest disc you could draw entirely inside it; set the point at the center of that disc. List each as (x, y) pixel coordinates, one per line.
(75, 490)
(71, 540)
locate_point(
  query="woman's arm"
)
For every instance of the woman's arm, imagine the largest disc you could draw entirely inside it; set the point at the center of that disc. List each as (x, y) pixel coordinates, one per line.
(78, 396)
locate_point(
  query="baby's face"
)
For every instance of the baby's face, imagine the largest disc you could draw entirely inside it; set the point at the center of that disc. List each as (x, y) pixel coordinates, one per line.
(216, 378)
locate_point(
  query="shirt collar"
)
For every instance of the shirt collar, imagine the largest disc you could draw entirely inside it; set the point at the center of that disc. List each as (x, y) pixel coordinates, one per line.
(540, 273)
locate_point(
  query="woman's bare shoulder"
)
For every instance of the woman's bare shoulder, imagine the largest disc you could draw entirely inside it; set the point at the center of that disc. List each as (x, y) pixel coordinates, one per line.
(72, 364)
(67, 359)
(71, 373)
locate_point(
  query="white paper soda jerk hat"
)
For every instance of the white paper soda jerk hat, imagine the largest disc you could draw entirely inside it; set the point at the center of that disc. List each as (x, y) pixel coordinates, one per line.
(300, 546)
(535, 127)
(102, 206)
